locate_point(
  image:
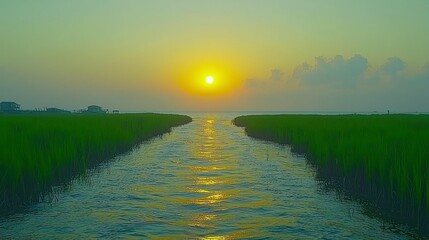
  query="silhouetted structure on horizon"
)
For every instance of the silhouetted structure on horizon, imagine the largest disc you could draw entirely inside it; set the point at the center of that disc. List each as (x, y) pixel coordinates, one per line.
(9, 107)
(95, 109)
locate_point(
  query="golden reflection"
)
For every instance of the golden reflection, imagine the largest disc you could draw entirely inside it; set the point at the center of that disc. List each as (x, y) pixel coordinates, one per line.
(205, 169)
(207, 153)
(215, 238)
(207, 177)
(208, 131)
(208, 217)
(208, 141)
(211, 181)
(199, 190)
(240, 234)
(212, 198)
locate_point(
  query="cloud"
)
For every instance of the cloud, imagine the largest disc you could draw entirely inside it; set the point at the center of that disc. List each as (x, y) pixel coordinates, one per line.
(393, 66)
(342, 84)
(337, 72)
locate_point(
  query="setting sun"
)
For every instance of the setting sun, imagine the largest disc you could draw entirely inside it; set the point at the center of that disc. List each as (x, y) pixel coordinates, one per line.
(209, 80)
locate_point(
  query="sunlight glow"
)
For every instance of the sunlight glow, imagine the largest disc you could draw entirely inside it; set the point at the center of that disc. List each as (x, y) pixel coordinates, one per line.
(209, 80)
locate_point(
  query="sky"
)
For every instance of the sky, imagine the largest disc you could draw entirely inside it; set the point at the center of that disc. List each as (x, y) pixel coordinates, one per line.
(302, 55)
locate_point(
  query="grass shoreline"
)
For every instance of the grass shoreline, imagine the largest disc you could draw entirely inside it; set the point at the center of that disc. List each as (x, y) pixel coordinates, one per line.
(42, 151)
(380, 159)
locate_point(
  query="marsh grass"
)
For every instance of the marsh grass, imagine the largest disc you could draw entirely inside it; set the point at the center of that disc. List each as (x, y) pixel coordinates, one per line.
(40, 151)
(383, 159)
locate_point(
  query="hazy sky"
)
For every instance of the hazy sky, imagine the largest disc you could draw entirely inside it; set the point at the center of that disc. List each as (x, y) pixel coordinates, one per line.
(264, 55)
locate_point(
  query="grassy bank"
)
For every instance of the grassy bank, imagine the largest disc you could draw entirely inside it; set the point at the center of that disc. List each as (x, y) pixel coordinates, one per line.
(39, 151)
(383, 159)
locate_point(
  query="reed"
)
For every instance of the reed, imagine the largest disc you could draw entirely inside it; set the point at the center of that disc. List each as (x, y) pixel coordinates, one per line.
(40, 151)
(382, 159)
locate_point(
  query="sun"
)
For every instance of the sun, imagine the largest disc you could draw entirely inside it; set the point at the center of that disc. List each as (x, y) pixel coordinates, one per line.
(209, 80)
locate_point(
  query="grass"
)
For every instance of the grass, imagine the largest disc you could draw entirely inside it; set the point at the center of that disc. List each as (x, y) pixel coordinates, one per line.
(382, 158)
(39, 151)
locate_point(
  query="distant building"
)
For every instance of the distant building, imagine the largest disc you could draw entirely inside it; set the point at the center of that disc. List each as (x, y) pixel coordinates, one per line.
(9, 107)
(95, 109)
(115, 111)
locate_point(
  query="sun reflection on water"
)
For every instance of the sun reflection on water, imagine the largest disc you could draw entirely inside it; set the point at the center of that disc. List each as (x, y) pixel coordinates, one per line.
(215, 238)
(199, 190)
(212, 198)
(212, 185)
(211, 181)
(203, 169)
(207, 176)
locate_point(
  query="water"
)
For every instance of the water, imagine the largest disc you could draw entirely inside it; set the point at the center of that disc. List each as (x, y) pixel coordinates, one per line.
(204, 180)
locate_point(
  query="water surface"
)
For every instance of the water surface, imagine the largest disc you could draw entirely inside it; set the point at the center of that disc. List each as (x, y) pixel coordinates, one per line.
(204, 180)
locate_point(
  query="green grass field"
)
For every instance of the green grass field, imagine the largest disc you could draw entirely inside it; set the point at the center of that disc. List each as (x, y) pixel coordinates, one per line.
(38, 151)
(374, 153)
